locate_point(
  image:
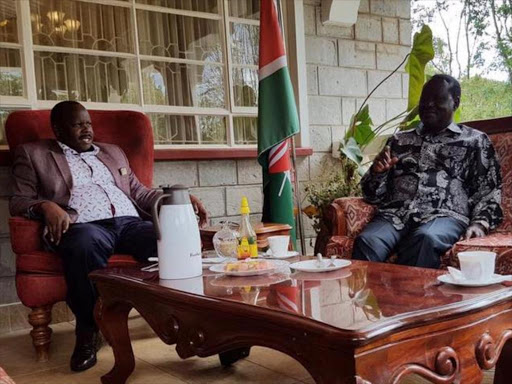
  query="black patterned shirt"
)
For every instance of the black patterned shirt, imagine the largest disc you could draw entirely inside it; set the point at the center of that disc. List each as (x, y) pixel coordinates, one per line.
(454, 173)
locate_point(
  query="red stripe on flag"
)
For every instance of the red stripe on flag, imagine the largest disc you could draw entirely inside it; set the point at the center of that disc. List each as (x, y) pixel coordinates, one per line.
(279, 160)
(271, 40)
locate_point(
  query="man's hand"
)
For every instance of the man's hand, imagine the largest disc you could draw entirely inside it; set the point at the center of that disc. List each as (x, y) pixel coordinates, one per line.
(200, 210)
(474, 230)
(56, 219)
(383, 162)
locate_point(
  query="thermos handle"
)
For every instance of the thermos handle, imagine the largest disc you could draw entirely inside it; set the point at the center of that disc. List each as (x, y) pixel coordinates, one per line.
(156, 221)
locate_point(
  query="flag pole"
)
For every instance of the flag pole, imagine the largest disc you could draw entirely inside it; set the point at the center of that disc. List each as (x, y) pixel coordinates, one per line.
(298, 221)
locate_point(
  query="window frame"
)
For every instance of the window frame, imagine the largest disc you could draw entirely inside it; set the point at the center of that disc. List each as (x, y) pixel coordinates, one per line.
(293, 21)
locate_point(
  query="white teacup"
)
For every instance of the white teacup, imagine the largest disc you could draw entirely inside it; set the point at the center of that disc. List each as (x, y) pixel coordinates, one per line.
(278, 244)
(477, 265)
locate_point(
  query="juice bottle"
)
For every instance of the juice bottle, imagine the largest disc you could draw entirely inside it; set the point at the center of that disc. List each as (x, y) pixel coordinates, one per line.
(247, 246)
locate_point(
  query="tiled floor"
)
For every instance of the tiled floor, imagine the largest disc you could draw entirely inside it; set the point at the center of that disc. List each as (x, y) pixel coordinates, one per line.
(155, 362)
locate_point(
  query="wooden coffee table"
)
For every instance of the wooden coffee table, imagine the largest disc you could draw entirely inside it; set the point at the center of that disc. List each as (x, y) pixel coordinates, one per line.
(368, 323)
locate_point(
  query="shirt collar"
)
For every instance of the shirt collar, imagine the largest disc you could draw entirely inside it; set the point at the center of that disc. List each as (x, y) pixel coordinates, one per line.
(67, 149)
(452, 127)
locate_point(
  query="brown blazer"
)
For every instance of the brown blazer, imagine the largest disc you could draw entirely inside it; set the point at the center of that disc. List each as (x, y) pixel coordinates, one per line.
(41, 172)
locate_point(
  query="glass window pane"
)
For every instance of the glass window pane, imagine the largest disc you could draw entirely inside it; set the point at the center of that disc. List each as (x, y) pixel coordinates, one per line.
(183, 84)
(62, 76)
(245, 87)
(244, 43)
(246, 9)
(11, 74)
(210, 6)
(3, 117)
(8, 22)
(177, 36)
(76, 24)
(175, 129)
(246, 129)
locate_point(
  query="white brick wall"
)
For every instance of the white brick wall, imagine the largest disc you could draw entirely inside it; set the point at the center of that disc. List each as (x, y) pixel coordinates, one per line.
(218, 172)
(391, 88)
(342, 82)
(390, 30)
(368, 28)
(321, 51)
(312, 73)
(356, 54)
(180, 172)
(324, 110)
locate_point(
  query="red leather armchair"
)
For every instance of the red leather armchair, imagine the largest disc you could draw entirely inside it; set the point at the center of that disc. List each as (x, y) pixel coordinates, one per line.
(39, 275)
(347, 216)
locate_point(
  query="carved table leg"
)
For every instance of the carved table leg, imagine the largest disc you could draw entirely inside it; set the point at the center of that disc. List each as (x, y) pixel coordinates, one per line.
(112, 319)
(230, 357)
(503, 372)
(41, 333)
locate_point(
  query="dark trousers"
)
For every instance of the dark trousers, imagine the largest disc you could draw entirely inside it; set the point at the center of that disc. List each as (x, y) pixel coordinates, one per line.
(86, 247)
(419, 245)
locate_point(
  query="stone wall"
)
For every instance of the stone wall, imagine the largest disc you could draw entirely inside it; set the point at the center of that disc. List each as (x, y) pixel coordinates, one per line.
(343, 65)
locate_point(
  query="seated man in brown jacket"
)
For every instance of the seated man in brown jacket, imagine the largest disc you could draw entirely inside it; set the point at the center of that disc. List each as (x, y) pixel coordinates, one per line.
(93, 205)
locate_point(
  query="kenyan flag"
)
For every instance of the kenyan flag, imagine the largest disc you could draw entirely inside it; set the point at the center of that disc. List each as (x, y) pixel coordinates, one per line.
(277, 120)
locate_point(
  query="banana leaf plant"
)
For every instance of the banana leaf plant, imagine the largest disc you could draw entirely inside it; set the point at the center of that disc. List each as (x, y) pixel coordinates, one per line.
(362, 132)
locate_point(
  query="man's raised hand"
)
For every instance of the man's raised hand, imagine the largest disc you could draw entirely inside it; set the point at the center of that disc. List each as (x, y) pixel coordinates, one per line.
(384, 162)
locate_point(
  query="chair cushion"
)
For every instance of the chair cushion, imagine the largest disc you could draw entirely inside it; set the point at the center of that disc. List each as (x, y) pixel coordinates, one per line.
(503, 145)
(499, 242)
(49, 263)
(357, 212)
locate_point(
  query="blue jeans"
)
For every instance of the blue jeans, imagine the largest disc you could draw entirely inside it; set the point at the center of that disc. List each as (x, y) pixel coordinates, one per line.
(419, 245)
(86, 247)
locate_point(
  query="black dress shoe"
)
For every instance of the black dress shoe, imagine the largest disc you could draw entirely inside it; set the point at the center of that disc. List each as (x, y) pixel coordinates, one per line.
(84, 354)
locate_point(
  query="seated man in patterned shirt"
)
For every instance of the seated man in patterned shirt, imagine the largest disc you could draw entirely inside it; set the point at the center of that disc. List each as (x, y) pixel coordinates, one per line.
(432, 185)
(93, 205)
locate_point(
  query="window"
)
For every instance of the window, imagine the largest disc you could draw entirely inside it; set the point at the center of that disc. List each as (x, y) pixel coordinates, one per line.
(191, 65)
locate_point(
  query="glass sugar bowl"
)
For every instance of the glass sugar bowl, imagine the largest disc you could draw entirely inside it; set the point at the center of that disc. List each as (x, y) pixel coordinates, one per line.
(225, 241)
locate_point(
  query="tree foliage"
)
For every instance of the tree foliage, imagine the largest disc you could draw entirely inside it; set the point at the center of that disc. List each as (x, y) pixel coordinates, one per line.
(484, 98)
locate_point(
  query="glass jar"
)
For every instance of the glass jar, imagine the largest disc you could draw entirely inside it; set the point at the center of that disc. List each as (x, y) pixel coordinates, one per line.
(225, 241)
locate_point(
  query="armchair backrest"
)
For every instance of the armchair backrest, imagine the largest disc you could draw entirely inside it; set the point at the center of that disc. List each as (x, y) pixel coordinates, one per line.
(500, 133)
(128, 129)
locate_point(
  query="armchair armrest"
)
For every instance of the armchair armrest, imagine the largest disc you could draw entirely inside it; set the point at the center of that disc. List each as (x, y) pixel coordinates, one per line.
(26, 235)
(341, 246)
(348, 216)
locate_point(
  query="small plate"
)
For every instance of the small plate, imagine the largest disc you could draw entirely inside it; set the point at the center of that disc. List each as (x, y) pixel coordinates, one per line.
(255, 281)
(495, 279)
(334, 275)
(311, 265)
(214, 260)
(220, 268)
(287, 255)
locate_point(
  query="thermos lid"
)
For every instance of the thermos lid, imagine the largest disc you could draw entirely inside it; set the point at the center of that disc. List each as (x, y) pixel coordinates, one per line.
(178, 194)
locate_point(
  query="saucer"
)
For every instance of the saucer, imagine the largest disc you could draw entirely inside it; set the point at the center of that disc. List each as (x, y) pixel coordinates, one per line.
(312, 266)
(495, 279)
(287, 255)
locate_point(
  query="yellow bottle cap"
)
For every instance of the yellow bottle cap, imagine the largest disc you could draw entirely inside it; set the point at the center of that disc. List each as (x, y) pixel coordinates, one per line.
(244, 208)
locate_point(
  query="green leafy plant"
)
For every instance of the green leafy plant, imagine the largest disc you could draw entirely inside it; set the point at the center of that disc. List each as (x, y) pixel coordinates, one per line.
(343, 182)
(362, 132)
